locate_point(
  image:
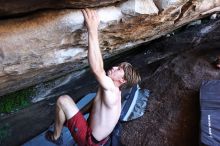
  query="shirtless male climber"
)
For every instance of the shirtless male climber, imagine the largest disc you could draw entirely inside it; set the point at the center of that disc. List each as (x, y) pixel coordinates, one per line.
(106, 107)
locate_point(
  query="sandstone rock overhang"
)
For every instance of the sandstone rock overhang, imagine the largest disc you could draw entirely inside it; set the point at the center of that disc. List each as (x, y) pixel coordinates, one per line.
(47, 44)
(14, 8)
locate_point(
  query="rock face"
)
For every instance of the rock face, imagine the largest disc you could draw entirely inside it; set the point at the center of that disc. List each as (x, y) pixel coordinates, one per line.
(13, 7)
(50, 43)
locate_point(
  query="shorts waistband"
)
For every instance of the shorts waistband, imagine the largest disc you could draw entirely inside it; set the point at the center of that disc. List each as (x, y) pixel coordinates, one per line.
(102, 142)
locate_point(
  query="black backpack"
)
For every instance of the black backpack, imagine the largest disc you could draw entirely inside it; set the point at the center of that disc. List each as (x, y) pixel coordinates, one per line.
(133, 106)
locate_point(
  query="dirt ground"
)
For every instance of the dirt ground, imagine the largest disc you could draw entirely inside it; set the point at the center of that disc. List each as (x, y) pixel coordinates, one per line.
(172, 69)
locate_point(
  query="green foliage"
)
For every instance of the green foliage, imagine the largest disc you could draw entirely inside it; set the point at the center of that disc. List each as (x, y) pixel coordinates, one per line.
(16, 100)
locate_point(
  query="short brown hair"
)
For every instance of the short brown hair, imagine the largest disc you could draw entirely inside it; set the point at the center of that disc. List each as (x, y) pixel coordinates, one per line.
(131, 76)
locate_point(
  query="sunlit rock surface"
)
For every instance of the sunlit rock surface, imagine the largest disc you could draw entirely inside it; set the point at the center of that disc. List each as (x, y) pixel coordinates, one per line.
(46, 44)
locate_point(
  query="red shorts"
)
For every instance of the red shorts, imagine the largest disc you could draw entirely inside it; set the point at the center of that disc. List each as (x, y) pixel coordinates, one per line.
(81, 132)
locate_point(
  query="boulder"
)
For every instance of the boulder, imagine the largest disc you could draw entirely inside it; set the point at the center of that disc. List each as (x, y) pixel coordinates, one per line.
(16, 8)
(47, 44)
